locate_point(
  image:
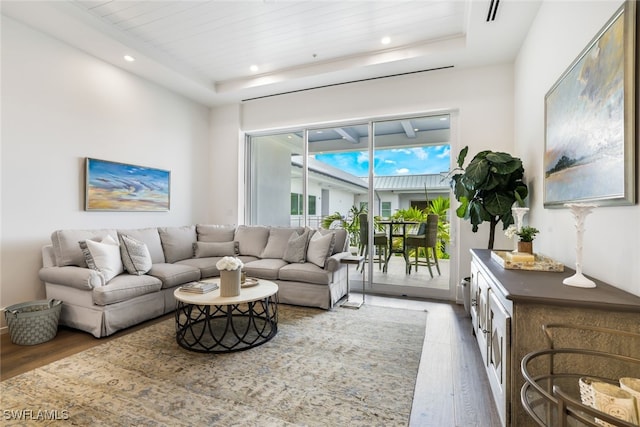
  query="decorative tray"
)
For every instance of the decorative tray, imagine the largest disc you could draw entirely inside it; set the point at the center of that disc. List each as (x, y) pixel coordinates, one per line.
(541, 263)
(250, 281)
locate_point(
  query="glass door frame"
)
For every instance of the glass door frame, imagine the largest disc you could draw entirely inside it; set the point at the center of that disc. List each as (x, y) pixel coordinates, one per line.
(370, 285)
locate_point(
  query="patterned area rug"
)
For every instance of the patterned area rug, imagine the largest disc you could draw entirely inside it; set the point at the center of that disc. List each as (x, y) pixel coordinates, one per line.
(324, 368)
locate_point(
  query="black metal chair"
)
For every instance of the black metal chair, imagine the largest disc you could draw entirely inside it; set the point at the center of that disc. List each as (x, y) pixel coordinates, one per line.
(380, 241)
(427, 238)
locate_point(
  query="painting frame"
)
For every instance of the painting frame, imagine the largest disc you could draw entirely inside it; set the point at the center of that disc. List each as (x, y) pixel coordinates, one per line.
(589, 157)
(123, 187)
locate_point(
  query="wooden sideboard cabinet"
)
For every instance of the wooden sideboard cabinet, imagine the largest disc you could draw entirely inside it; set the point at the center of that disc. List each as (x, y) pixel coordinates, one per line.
(509, 307)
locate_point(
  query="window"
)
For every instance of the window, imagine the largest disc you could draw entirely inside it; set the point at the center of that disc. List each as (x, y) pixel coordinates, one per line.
(385, 210)
(312, 204)
(296, 204)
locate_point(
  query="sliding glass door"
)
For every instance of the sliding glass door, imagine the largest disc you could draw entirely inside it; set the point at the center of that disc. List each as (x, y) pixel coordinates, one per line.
(392, 170)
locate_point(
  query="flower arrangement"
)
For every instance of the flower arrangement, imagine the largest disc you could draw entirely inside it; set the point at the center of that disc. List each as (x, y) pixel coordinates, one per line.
(526, 233)
(229, 263)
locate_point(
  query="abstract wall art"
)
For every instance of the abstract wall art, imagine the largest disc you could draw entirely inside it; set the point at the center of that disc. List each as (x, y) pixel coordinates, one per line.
(112, 186)
(590, 120)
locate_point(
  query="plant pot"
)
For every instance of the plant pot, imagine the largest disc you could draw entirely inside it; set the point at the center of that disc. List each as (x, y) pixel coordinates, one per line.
(230, 283)
(526, 247)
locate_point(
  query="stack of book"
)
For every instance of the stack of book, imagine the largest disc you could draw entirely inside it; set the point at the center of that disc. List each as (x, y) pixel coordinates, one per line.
(199, 287)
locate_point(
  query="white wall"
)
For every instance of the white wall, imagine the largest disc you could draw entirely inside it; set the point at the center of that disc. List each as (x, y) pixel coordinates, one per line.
(611, 250)
(226, 166)
(59, 106)
(480, 99)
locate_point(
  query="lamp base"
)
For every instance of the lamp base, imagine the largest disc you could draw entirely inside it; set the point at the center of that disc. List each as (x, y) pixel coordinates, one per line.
(579, 281)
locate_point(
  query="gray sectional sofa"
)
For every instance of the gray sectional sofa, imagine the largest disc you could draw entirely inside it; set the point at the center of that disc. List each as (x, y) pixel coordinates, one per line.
(111, 279)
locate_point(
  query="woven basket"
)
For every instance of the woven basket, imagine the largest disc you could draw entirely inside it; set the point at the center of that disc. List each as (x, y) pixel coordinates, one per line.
(33, 322)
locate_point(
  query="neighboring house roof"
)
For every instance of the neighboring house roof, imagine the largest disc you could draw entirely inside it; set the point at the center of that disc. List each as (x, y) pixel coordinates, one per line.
(323, 171)
(412, 183)
(399, 183)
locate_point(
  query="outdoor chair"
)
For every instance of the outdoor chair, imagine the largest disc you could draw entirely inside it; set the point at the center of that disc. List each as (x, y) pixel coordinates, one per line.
(380, 241)
(426, 238)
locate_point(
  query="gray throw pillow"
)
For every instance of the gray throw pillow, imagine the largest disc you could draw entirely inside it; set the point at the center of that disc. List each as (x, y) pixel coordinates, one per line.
(320, 247)
(215, 233)
(297, 248)
(135, 255)
(211, 249)
(277, 243)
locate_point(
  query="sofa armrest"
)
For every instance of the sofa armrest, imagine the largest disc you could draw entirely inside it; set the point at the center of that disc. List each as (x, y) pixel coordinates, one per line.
(75, 277)
(333, 262)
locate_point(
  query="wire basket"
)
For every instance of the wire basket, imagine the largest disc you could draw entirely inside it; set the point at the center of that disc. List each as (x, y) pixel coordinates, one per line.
(33, 322)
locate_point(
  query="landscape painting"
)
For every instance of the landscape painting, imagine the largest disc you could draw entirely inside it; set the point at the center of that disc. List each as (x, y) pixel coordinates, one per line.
(112, 186)
(589, 130)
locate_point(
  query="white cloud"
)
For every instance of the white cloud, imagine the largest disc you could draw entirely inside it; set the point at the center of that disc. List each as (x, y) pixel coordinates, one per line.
(420, 153)
(445, 152)
(402, 171)
(391, 162)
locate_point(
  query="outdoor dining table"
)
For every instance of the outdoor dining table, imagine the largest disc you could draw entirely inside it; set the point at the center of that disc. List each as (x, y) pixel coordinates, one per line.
(397, 229)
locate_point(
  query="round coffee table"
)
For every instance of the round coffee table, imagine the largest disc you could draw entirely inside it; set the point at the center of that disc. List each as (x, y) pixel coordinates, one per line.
(209, 323)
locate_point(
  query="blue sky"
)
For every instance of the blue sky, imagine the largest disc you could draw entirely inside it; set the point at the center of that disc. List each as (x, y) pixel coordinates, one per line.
(399, 161)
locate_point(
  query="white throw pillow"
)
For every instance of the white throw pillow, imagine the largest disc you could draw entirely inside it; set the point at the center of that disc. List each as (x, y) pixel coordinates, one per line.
(320, 247)
(104, 257)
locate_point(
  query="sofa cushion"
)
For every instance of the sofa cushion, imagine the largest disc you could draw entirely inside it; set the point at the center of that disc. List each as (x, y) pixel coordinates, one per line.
(341, 237)
(215, 233)
(320, 248)
(207, 266)
(278, 241)
(307, 272)
(125, 287)
(215, 249)
(66, 248)
(174, 274)
(251, 239)
(103, 256)
(297, 247)
(151, 238)
(264, 268)
(135, 255)
(177, 242)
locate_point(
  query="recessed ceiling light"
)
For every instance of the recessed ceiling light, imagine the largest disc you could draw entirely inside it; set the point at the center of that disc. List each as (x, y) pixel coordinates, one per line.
(385, 40)
(129, 58)
(254, 68)
(416, 130)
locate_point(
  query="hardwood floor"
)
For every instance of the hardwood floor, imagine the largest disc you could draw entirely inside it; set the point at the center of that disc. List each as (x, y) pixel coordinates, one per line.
(451, 388)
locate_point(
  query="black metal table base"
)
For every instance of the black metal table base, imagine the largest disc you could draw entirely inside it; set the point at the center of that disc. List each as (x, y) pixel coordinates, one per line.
(226, 328)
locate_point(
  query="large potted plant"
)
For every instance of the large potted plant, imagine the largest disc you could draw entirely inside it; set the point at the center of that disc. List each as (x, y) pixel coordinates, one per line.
(487, 189)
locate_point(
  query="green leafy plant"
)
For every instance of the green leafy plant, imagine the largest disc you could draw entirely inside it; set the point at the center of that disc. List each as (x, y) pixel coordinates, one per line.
(350, 222)
(487, 189)
(527, 234)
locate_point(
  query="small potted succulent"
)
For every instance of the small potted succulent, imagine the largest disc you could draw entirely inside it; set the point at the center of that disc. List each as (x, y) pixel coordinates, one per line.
(526, 235)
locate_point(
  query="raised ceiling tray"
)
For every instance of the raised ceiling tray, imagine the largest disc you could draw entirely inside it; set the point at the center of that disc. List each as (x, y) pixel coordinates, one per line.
(541, 263)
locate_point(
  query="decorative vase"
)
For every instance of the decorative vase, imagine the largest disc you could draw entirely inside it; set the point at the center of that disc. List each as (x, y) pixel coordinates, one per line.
(518, 215)
(230, 283)
(526, 247)
(580, 212)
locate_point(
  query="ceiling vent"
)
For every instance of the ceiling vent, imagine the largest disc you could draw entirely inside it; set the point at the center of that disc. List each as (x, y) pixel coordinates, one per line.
(493, 9)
